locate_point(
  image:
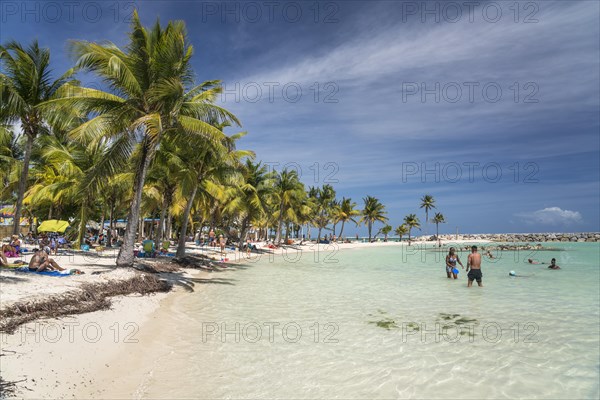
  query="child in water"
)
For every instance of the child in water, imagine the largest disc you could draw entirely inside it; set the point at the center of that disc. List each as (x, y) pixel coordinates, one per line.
(451, 260)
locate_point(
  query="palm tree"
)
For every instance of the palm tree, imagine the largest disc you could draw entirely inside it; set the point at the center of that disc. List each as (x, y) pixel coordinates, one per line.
(347, 212)
(26, 84)
(412, 221)
(287, 190)
(250, 197)
(438, 219)
(149, 100)
(401, 231)
(372, 212)
(386, 230)
(427, 202)
(325, 204)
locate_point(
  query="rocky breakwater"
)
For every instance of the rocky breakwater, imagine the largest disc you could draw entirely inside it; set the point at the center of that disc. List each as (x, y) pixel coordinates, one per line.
(526, 237)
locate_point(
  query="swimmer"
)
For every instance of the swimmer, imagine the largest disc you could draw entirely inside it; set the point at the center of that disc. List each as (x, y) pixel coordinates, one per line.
(553, 264)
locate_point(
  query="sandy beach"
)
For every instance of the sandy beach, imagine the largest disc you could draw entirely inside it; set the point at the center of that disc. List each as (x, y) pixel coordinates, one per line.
(76, 356)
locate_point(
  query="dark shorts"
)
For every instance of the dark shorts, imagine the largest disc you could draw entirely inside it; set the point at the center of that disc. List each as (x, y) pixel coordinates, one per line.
(474, 275)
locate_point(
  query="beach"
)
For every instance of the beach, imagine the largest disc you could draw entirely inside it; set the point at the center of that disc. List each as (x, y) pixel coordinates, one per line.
(57, 358)
(156, 345)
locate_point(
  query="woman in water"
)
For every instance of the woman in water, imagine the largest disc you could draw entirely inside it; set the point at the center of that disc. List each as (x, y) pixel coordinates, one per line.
(451, 260)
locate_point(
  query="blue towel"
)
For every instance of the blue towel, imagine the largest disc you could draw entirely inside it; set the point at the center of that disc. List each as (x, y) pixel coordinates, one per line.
(49, 273)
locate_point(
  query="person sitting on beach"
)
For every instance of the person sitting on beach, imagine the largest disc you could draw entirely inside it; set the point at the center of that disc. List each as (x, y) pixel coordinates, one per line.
(41, 262)
(553, 264)
(13, 248)
(451, 260)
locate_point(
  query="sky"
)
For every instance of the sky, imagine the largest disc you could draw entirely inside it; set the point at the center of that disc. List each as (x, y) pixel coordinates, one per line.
(491, 107)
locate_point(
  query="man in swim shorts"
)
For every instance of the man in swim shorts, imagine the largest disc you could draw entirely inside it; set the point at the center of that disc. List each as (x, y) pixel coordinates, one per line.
(41, 262)
(474, 263)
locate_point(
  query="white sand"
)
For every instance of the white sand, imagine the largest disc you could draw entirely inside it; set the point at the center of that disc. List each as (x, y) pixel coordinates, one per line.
(95, 354)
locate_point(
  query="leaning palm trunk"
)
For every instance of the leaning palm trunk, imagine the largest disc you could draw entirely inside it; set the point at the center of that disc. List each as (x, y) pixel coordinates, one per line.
(370, 227)
(22, 184)
(342, 229)
(184, 222)
(125, 257)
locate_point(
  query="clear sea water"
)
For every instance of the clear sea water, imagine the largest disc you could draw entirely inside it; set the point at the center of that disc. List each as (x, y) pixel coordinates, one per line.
(309, 329)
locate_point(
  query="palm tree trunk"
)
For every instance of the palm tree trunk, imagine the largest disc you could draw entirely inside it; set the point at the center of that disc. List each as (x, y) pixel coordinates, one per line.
(111, 213)
(409, 236)
(82, 221)
(22, 184)
(370, 225)
(160, 230)
(342, 230)
(125, 257)
(243, 232)
(279, 224)
(184, 222)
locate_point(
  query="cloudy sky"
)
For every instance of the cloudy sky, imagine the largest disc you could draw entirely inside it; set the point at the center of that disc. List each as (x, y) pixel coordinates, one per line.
(490, 107)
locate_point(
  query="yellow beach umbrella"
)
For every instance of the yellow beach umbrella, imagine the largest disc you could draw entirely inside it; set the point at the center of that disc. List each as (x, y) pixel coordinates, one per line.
(53, 225)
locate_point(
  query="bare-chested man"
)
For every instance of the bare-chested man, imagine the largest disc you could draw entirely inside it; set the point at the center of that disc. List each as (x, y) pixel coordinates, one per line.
(474, 263)
(41, 262)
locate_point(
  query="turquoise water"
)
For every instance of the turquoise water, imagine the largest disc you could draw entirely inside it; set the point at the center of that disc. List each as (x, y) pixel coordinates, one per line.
(528, 337)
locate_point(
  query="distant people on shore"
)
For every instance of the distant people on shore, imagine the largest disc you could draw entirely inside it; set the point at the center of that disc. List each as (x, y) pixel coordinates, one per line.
(553, 264)
(212, 238)
(222, 243)
(451, 260)
(474, 263)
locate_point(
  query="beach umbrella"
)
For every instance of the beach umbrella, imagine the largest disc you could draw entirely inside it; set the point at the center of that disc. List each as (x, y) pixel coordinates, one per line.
(53, 225)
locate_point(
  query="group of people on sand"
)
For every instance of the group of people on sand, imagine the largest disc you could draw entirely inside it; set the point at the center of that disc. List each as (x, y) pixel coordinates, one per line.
(474, 265)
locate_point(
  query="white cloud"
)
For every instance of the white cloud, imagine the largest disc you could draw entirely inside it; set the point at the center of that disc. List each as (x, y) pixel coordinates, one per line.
(551, 216)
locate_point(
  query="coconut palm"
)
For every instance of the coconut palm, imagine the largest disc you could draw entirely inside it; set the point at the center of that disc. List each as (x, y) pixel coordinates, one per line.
(207, 167)
(411, 222)
(287, 190)
(385, 231)
(347, 212)
(401, 230)
(438, 219)
(372, 212)
(427, 202)
(26, 83)
(250, 197)
(324, 205)
(151, 97)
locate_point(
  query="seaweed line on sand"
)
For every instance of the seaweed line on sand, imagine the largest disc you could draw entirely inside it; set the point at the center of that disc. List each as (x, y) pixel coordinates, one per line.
(89, 297)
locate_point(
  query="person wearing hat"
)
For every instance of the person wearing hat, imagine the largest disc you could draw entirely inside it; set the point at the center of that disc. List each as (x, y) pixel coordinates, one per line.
(41, 262)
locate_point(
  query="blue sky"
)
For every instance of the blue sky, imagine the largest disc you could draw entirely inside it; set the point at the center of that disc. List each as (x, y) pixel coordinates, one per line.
(492, 109)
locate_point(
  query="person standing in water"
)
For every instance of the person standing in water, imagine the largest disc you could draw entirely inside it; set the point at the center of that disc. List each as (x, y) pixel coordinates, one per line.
(474, 263)
(451, 260)
(553, 264)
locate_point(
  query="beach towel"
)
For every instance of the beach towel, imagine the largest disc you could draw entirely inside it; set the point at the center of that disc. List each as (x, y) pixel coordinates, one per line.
(59, 274)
